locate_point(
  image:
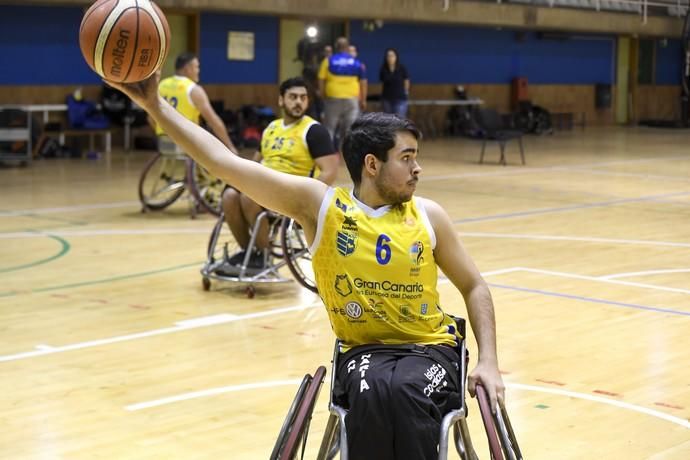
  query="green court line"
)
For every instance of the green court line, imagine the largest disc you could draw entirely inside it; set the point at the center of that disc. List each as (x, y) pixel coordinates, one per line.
(63, 250)
(100, 281)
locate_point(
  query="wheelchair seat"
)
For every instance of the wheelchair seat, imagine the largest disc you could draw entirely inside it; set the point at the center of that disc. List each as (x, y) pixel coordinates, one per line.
(502, 442)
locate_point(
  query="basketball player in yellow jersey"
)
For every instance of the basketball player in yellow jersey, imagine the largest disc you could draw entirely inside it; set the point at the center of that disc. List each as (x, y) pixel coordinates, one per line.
(183, 92)
(295, 144)
(375, 250)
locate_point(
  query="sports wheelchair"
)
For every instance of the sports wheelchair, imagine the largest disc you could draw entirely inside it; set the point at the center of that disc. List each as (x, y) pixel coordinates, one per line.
(287, 248)
(293, 433)
(169, 173)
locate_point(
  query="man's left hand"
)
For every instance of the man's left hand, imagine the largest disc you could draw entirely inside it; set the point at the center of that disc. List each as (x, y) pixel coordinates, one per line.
(489, 377)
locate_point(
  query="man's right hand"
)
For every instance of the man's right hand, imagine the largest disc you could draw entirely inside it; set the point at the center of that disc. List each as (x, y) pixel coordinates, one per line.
(143, 93)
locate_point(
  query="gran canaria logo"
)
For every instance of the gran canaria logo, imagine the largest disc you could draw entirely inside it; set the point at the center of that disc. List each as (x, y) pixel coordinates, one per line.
(343, 285)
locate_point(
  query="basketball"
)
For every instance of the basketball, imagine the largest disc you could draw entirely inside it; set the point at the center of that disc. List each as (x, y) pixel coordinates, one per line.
(124, 41)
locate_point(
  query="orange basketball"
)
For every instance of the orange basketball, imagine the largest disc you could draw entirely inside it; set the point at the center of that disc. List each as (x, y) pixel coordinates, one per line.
(124, 40)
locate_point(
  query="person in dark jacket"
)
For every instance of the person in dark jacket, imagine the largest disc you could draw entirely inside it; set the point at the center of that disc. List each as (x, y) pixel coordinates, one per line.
(396, 84)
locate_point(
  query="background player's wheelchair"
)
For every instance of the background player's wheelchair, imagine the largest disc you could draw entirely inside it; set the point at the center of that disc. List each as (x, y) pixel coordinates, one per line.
(169, 173)
(287, 248)
(500, 435)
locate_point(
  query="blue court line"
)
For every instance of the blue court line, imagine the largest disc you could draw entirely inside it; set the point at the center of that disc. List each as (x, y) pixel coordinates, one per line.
(592, 299)
(600, 204)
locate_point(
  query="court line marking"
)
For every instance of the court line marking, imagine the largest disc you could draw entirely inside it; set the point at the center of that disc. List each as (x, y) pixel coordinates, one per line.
(503, 171)
(64, 249)
(591, 299)
(104, 232)
(575, 207)
(56, 210)
(227, 318)
(647, 272)
(612, 402)
(274, 383)
(604, 280)
(574, 238)
(195, 323)
(625, 174)
(99, 281)
(526, 170)
(210, 392)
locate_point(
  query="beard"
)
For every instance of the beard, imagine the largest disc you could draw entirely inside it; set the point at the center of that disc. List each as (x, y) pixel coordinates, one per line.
(295, 112)
(392, 197)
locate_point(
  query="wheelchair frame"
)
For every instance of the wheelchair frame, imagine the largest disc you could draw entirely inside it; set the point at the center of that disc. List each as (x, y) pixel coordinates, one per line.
(286, 248)
(501, 437)
(196, 179)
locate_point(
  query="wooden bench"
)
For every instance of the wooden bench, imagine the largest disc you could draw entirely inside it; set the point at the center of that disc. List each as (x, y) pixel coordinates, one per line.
(105, 134)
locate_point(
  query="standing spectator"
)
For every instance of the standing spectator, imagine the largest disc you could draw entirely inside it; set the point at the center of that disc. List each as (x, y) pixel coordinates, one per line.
(343, 85)
(327, 51)
(396, 84)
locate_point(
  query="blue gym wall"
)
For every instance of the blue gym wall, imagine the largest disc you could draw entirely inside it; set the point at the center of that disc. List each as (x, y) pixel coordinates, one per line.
(39, 46)
(454, 54)
(214, 49)
(669, 61)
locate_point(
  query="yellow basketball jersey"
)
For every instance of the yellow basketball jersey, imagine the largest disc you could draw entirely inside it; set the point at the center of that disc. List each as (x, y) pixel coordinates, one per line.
(284, 147)
(177, 91)
(376, 273)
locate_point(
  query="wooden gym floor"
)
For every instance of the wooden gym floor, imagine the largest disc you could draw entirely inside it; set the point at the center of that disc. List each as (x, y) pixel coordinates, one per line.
(111, 349)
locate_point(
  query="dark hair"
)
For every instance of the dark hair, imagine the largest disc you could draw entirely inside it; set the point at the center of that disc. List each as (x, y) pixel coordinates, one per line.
(184, 59)
(292, 83)
(385, 59)
(373, 133)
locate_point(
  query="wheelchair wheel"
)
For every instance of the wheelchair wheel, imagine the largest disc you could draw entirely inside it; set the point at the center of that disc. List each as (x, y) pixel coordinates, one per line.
(297, 255)
(296, 425)
(290, 417)
(502, 441)
(206, 189)
(162, 181)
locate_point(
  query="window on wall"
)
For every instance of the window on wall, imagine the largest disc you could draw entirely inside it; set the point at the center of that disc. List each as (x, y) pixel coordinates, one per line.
(645, 70)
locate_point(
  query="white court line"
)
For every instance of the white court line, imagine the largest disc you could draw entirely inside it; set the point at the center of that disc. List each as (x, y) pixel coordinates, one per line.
(626, 174)
(612, 402)
(207, 320)
(602, 280)
(191, 324)
(211, 392)
(648, 272)
(81, 207)
(518, 236)
(122, 204)
(519, 386)
(108, 232)
(576, 167)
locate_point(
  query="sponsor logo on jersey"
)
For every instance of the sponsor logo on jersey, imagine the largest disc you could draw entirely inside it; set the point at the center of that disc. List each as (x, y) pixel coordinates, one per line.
(424, 308)
(346, 238)
(340, 205)
(405, 315)
(388, 289)
(353, 310)
(416, 253)
(343, 285)
(376, 309)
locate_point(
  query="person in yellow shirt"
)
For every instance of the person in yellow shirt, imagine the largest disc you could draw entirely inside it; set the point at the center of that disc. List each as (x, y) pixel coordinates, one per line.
(295, 144)
(184, 93)
(343, 85)
(375, 251)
